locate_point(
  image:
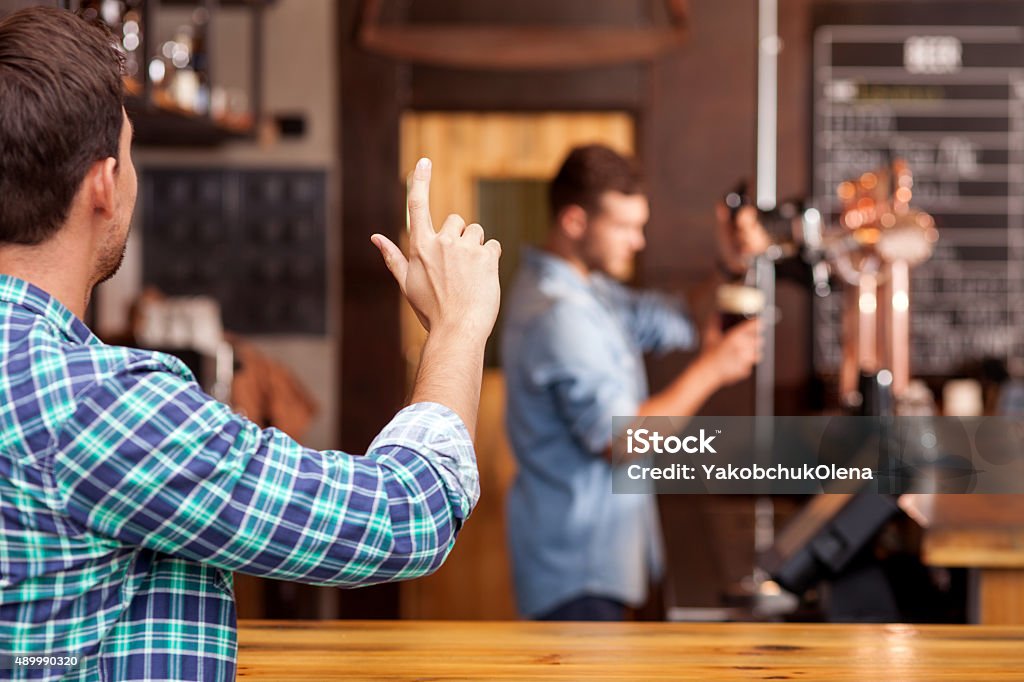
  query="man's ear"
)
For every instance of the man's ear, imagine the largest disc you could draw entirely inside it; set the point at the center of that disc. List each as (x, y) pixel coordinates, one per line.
(100, 186)
(573, 221)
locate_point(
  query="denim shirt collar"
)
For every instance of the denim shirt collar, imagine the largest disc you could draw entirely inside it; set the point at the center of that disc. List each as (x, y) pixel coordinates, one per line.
(554, 269)
(29, 296)
(554, 274)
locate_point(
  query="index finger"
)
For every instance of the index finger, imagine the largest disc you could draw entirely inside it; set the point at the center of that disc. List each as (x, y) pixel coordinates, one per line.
(420, 224)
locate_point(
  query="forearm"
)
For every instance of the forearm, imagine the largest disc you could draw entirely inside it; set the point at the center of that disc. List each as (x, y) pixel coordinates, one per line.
(450, 372)
(685, 395)
(150, 460)
(682, 398)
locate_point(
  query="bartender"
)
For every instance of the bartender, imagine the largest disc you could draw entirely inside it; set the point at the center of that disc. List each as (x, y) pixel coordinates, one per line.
(573, 346)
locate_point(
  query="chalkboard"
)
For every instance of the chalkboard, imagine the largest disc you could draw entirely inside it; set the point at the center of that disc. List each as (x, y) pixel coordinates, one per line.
(940, 85)
(253, 239)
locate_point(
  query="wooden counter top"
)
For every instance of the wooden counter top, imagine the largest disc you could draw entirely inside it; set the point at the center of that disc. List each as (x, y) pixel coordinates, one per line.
(977, 531)
(468, 650)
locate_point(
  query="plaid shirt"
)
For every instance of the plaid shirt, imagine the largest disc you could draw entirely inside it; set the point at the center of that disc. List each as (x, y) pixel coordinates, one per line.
(127, 496)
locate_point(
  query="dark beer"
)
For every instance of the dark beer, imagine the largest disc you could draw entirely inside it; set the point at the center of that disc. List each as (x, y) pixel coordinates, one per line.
(738, 303)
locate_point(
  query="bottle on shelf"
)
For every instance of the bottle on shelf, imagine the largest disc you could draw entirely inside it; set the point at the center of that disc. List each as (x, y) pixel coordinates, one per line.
(125, 20)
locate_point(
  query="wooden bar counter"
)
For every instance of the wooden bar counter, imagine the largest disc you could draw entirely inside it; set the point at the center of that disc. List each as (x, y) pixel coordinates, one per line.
(285, 651)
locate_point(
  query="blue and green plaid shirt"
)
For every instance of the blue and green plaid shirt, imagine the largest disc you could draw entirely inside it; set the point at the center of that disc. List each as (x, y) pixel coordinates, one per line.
(127, 497)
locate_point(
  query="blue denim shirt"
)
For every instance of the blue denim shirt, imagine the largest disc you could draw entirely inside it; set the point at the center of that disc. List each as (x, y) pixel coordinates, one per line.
(572, 349)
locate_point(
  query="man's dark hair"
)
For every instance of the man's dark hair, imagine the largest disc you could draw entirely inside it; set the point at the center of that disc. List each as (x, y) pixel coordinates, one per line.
(61, 95)
(590, 171)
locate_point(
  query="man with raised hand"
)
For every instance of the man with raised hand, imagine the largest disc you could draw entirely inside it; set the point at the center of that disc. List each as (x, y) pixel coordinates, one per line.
(127, 495)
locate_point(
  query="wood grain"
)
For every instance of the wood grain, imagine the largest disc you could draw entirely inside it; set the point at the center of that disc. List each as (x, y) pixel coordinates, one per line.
(424, 650)
(1000, 596)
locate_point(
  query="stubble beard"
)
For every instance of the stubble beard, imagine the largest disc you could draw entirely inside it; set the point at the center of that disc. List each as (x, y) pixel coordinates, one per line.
(111, 258)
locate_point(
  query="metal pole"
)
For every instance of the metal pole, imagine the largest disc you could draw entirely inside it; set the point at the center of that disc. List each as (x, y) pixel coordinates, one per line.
(768, 46)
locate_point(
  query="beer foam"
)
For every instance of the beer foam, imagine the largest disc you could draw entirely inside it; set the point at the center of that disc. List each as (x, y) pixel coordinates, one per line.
(740, 300)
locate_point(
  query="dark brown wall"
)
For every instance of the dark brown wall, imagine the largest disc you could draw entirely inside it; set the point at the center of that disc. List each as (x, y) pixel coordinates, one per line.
(700, 139)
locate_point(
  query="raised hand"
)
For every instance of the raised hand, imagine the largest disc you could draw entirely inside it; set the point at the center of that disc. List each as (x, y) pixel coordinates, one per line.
(450, 277)
(741, 239)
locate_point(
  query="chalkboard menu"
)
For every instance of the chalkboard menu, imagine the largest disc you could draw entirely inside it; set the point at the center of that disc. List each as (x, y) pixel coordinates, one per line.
(940, 85)
(253, 239)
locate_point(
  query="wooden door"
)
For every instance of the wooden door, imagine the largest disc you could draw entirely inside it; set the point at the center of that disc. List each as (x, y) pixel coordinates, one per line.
(471, 152)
